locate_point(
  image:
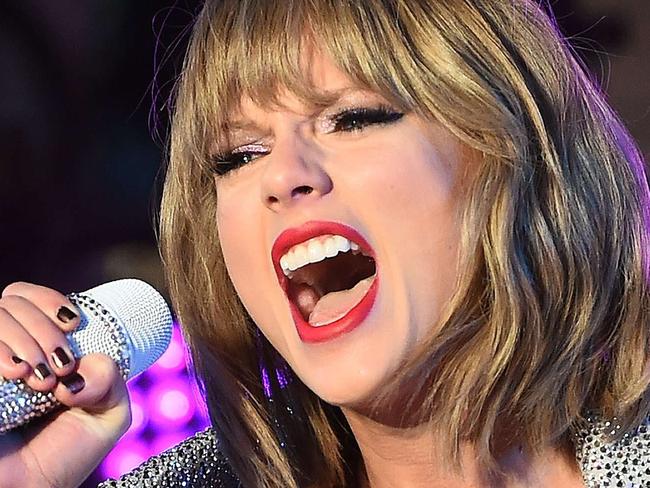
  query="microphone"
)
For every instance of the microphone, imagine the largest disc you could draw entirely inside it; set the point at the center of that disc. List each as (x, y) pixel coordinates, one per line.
(127, 320)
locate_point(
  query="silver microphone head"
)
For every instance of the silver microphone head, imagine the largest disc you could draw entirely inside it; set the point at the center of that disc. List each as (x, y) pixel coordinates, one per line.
(126, 319)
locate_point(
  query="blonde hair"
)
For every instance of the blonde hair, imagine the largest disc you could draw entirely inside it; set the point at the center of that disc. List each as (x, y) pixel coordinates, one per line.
(550, 317)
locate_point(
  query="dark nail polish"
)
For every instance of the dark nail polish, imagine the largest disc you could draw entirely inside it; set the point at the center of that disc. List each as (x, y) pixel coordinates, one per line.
(65, 315)
(16, 359)
(73, 382)
(42, 371)
(60, 358)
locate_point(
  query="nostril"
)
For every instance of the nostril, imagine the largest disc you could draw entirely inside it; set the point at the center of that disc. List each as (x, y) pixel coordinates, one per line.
(296, 192)
(304, 189)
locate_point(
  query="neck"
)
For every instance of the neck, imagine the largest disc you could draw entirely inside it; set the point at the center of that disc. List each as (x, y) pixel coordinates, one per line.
(397, 457)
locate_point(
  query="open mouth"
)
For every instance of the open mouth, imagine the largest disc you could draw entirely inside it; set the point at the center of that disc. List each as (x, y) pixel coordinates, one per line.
(329, 275)
(326, 291)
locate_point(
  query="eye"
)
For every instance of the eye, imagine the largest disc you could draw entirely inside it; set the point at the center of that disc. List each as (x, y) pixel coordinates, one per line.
(228, 161)
(357, 119)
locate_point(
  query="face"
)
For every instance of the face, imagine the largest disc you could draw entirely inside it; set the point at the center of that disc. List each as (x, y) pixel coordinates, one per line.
(395, 182)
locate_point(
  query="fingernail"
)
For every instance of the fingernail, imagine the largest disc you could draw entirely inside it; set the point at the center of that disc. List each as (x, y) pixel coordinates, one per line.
(65, 315)
(42, 371)
(73, 382)
(16, 359)
(60, 358)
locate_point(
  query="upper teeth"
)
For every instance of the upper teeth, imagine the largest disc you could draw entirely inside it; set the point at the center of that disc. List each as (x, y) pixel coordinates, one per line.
(315, 250)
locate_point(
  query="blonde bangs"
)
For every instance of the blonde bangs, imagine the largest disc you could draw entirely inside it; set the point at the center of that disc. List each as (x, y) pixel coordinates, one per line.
(260, 50)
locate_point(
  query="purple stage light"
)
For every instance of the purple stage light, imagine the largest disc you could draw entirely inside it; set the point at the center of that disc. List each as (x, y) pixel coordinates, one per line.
(166, 408)
(164, 441)
(202, 420)
(174, 358)
(266, 383)
(174, 404)
(282, 375)
(124, 457)
(171, 403)
(139, 416)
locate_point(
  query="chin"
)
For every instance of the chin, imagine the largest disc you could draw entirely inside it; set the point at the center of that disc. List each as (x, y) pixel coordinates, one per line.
(345, 399)
(343, 389)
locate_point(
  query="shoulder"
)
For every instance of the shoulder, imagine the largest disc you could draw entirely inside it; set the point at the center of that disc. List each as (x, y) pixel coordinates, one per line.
(195, 462)
(624, 463)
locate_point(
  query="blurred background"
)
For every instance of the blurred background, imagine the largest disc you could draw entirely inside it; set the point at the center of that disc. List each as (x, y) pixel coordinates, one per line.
(83, 121)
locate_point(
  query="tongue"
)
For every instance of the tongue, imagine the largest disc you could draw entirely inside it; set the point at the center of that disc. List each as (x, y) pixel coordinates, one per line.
(336, 304)
(305, 298)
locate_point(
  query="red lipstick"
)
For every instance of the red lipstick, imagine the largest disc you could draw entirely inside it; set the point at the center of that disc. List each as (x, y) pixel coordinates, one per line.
(355, 316)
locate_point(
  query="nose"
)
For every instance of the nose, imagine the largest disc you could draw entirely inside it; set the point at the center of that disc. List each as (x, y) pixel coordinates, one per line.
(294, 174)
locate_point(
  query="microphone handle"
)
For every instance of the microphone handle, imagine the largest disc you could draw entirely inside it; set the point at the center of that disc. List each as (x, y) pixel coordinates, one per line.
(98, 331)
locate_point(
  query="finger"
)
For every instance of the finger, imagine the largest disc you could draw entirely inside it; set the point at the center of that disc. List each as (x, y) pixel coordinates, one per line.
(54, 304)
(45, 332)
(27, 349)
(12, 367)
(96, 385)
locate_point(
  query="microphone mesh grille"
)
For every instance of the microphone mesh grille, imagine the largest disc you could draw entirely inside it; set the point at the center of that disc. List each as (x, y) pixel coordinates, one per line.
(143, 313)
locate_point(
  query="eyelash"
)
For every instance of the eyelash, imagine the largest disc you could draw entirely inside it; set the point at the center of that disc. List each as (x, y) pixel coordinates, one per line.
(348, 120)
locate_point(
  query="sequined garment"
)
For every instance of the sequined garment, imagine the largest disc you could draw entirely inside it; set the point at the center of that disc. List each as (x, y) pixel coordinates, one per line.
(194, 463)
(624, 464)
(197, 463)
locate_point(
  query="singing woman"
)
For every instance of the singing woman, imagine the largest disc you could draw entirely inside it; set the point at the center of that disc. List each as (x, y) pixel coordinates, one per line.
(407, 241)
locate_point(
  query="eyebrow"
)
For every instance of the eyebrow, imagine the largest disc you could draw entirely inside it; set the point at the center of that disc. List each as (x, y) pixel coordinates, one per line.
(235, 125)
(328, 98)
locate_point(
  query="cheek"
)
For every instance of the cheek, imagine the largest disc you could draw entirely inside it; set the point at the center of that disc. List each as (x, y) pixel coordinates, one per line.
(242, 241)
(230, 232)
(416, 203)
(238, 236)
(416, 190)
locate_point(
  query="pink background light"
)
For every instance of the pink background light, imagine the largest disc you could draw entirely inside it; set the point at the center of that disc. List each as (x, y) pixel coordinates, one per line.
(124, 457)
(166, 409)
(174, 358)
(163, 442)
(170, 403)
(139, 415)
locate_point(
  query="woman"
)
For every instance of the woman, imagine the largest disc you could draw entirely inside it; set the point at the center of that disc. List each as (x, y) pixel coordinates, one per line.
(407, 241)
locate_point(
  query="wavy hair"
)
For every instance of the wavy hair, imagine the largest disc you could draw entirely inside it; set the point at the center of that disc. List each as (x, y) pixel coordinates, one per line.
(549, 320)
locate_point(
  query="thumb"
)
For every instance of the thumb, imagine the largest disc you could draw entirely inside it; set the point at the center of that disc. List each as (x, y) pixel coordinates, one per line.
(97, 387)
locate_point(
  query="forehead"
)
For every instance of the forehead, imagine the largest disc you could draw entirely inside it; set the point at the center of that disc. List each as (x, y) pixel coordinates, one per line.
(323, 73)
(326, 83)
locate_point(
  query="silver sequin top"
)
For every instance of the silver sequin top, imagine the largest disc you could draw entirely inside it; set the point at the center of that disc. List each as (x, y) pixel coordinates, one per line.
(197, 462)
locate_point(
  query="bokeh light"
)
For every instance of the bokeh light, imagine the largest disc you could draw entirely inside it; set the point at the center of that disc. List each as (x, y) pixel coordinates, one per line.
(163, 442)
(126, 455)
(174, 358)
(170, 404)
(139, 415)
(166, 408)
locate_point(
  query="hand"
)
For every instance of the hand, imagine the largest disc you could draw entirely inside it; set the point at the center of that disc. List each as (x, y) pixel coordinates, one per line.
(62, 449)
